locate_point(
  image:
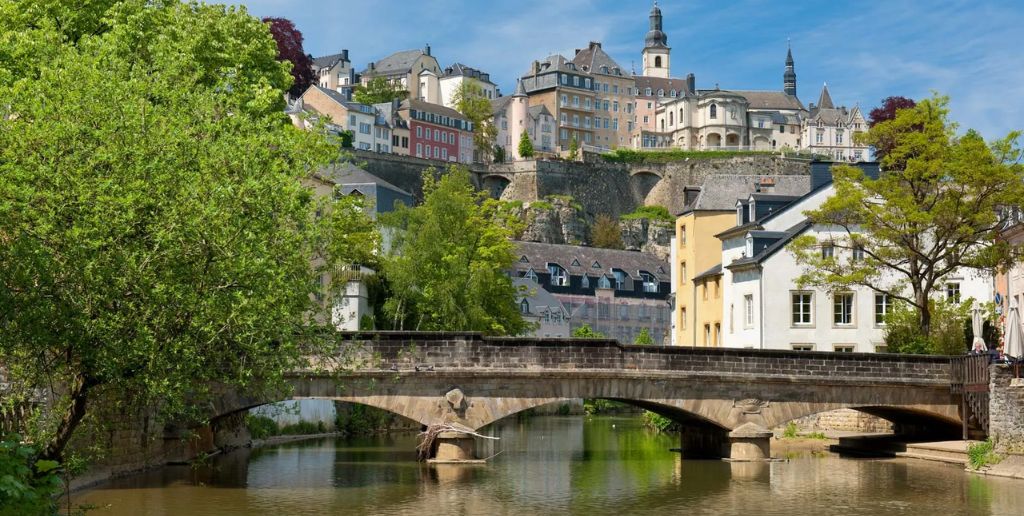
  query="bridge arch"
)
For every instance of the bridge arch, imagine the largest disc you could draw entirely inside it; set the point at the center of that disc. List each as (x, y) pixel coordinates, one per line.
(641, 182)
(495, 184)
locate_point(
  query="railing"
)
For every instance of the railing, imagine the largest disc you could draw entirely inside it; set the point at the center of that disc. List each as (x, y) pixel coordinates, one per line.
(969, 379)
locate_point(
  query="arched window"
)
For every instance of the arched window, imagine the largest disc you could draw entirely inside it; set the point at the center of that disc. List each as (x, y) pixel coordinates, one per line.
(714, 111)
(680, 115)
(524, 307)
(657, 62)
(670, 120)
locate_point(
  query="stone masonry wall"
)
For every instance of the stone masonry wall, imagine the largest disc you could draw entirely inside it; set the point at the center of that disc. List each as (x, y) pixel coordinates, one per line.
(461, 351)
(1006, 409)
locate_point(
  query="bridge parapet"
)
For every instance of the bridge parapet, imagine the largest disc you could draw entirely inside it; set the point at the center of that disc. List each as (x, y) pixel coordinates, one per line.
(446, 351)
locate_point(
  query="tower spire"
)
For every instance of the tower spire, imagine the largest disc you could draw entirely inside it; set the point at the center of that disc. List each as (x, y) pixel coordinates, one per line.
(789, 77)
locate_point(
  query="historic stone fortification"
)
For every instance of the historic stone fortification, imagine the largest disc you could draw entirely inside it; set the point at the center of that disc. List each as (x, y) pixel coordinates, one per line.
(1006, 409)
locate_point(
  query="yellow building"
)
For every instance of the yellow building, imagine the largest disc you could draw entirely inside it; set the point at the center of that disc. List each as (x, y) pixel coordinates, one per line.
(697, 255)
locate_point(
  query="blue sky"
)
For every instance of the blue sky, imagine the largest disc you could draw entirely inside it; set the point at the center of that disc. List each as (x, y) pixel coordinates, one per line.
(865, 50)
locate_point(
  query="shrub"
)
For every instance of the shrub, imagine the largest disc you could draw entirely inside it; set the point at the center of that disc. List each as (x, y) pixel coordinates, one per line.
(586, 332)
(983, 454)
(791, 430)
(606, 233)
(261, 427)
(658, 422)
(650, 212)
(28, 486)
(644, 338)
(661, 156)
(564, 409)
(599, 406)
(903, 331)
(301, 428)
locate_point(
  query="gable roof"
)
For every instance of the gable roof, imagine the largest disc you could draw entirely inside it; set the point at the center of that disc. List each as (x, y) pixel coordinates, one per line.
(499, 104)
(720, 191)
(779, 241)
(595, 60)
(553, 63)
(328, 61)
(461, 70)
(427, 107)
(538, 298)
(538, 110)
(659, 83)
(397, 63)
(771, 100)
(632, 262)
(346, 173)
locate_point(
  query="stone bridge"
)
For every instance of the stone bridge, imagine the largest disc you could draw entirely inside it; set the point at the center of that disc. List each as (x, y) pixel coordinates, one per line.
(726, 400)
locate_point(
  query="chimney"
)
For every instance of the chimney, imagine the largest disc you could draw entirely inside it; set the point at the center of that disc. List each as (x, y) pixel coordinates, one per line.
(536, 67)
(344, 54)
(577, 52)
(691, 83)
(426, 50)
(371, 66)
(594, 44)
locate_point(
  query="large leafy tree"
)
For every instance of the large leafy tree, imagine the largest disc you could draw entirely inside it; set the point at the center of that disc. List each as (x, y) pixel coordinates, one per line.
(937, 207)
(469, 99)
(156, 234)
(448, 269)
(887, 111)
(378, 91)
(289, 48)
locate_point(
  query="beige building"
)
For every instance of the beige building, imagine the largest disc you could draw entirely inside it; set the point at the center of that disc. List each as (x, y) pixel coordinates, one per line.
(614, 99)
(568, 93)
(416, 71)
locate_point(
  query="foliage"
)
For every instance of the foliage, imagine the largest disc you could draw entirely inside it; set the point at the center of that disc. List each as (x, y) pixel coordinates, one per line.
(574, 149)
(658, 422)
(525, 145)
(600, 406)
(566, 200)
(644, 338)
(659, 213)
(289, 48)
(903, 331)
(157, 242)
(791, 430)
(499, 153)
(542, 205)
(470, 100)
(261, 427)
(303, 428)
(345, 139)
(28, 485)
(983, 454)
(661, 156)
(888, 108)
(378, 90)
(937, 208)
(586, 332)
(564, 409)
(606, 233)
(359, 419)
(448, 262)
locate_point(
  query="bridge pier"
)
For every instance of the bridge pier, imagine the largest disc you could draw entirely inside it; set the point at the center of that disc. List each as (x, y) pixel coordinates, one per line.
(454, 447)
(749, 442)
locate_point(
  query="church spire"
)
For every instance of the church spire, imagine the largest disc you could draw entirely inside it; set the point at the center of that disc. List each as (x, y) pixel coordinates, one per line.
(789, 77)
(656, 37)
(825, 100)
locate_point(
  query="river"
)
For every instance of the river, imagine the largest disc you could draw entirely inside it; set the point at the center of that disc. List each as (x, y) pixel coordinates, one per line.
(549, 465)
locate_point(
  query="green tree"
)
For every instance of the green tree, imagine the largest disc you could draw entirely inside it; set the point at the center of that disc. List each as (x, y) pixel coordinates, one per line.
(937, 207)
(606, 233)
(574, 148)
(643, 338)
(378, 91)
(156, 232)
(27, 485)
(525, 145)
(469, 99)
(499, 153)
(450, 255)
(586, 332)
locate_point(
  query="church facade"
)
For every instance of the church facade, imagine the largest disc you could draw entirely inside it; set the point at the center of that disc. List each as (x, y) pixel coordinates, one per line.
(675, 114)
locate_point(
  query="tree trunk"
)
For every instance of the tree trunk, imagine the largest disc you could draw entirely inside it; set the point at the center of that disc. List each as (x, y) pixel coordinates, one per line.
(72, 418)
(924, 313)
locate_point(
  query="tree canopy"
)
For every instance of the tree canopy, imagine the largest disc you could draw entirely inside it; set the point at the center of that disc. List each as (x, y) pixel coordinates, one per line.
(378, 91)
(448, 268)
(469, 99)
(289, 48)
(937, 207)
(887, 111)
(157, 234)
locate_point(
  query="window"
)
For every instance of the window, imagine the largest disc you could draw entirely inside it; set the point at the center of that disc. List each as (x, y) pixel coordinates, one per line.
(575, 120)
(565, 79)
(704, 290)
(586, 103)
(803, 347)
(444, 137)
(819, 137)
(858, 253)
(782, 128)
(575, 101)
(843, 309)
(650, 282)
(682, 314)
(559, 277)
(624, 312)
(419, 150)
(714, 111)
(802, 308)
(615, 106)
(524, 307)
(953, 291)
(882, 307)
(437, 152)
(351, 120)
(647, 92)
(718, 335)
(444, 153)
(827, 251)
(586, 282)
(839, 137)
(657, 62)
(748, 304)
(732, 318)
(575, 80)
(437, 135)
(707, 334)
(620, 279)
(844, 348)
(426, 134)
(603, 282)
(564, 133)
(565, 99)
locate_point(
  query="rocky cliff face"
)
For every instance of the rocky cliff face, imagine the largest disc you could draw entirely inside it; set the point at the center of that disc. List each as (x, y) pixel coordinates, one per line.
(560, 220)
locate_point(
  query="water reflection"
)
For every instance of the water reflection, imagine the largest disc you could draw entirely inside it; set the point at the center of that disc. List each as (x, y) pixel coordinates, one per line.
(550, 465)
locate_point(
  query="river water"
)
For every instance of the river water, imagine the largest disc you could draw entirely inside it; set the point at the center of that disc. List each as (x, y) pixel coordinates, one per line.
(550, 465)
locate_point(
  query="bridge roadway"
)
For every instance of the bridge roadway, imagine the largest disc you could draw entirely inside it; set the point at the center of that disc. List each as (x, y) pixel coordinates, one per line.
(726, 400)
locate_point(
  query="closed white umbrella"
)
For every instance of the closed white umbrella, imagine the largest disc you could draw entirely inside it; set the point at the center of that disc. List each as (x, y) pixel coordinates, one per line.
(978, 344)
(1014, 346)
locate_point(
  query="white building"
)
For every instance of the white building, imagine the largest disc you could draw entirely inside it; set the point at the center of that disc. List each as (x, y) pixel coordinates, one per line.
(334, 72)
(369, 128)
(455, 75)
(764, 307)
(831, 131)
(513, 115)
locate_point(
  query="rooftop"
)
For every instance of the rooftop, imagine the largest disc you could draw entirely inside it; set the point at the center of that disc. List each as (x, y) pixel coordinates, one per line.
(592, 261)
(720, 191)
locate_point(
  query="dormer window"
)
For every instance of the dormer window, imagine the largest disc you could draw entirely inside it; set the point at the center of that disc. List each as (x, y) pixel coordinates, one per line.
(603, 282)
(524, 307)
(650, 282)
(739, 213)
(620, 279)
(532, 276)
(750, 246)
(752, 213)
(586, 281)
(559, 277)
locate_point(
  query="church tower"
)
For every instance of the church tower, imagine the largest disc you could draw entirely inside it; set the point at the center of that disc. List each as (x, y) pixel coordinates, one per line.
(789, 78)
(656, 50)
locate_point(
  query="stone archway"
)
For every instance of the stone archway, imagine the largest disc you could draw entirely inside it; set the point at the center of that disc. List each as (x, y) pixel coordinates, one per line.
(495, 185)
(714, 140)
(732, 140)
